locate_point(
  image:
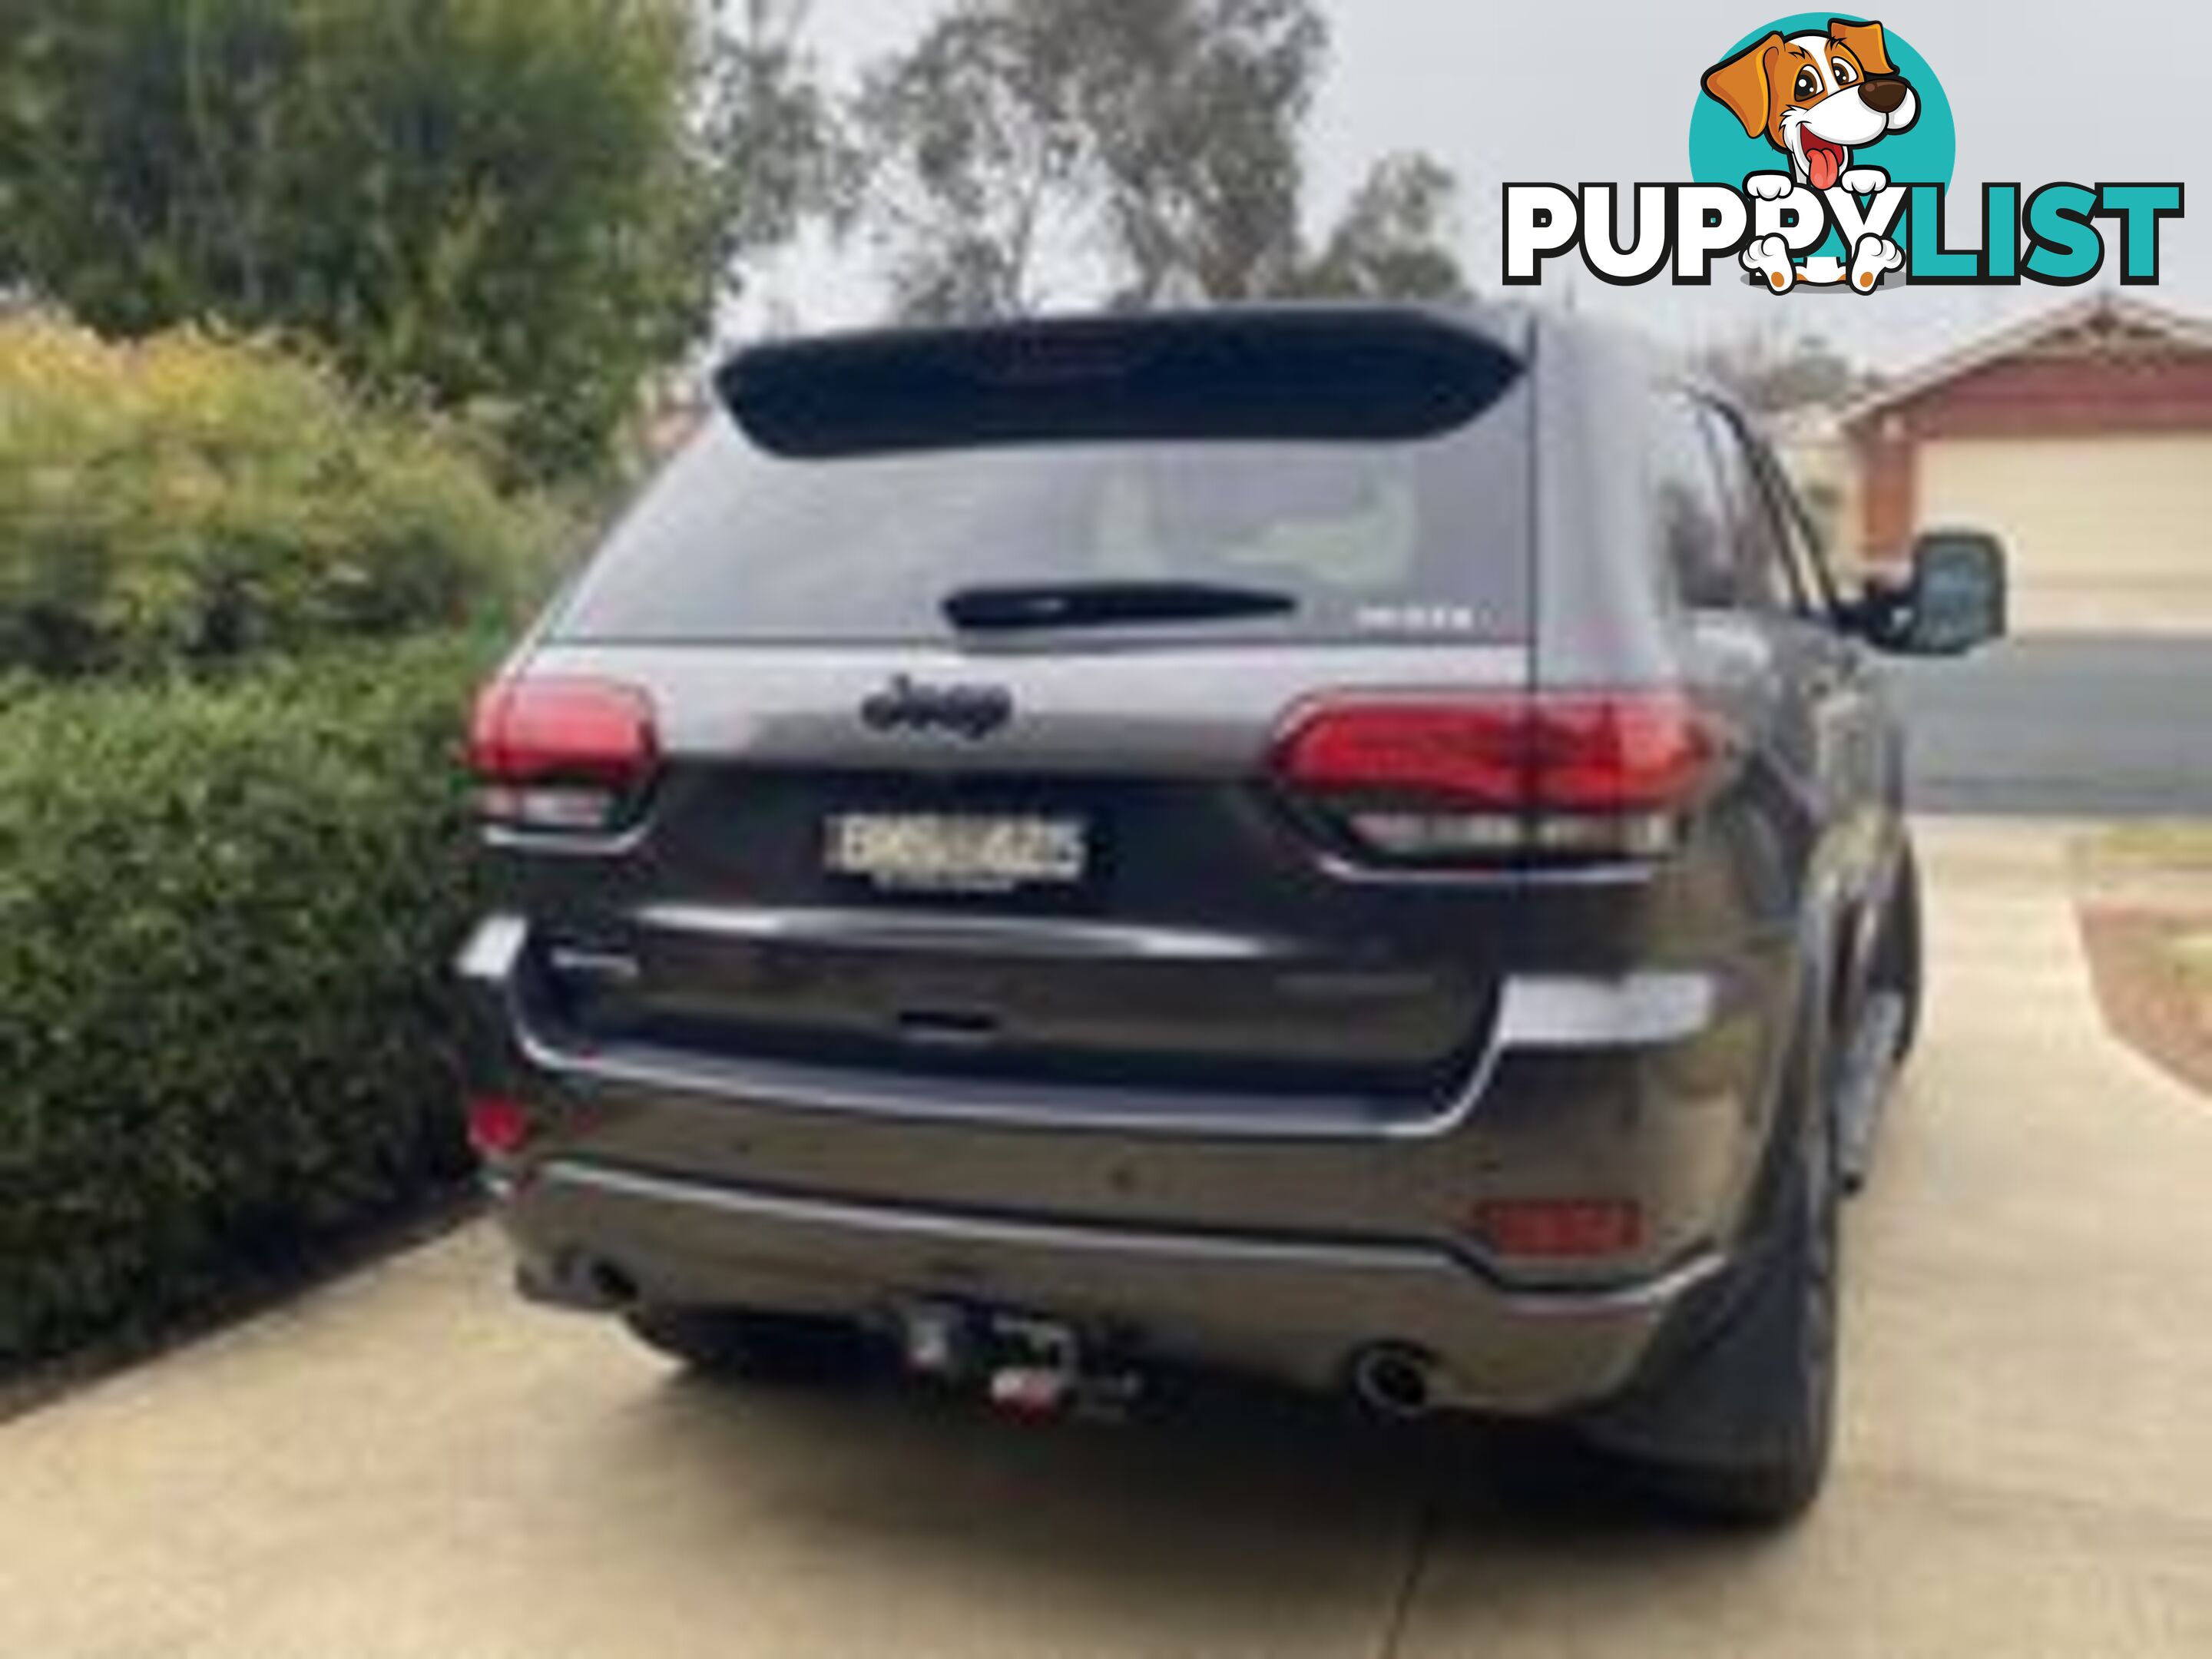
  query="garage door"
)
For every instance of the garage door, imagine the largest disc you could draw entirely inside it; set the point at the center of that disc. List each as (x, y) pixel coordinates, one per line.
(2104, 532)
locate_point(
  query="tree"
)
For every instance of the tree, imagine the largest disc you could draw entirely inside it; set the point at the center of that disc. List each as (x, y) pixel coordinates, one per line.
(781, 151)
(1772, 375)
(1198, 108)
(1394, 240)
(509, 206)
(1150, 147)
(978, 158)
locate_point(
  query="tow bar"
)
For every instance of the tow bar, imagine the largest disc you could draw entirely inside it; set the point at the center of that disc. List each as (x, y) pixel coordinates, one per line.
(1025, 1366)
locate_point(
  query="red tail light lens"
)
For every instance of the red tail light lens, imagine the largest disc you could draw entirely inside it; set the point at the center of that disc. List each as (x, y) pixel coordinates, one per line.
(1423, 779)
(1557, 1230)
(561, 754)
(1617, 754)
(1475, 754)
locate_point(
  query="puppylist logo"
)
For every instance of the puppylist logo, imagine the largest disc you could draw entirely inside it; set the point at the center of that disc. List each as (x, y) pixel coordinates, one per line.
(1821, 154)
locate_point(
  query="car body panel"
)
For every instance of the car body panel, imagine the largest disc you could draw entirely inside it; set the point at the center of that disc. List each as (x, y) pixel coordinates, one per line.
(1235, 1095)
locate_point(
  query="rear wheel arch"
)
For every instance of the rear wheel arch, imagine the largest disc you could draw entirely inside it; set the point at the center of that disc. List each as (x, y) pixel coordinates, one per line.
(1795, 1082)
(1721, 1421)
(1803, 1079)
(1850, 963)
(1898, 960)
(1841, 926)
(1876, 947)
(1802, 1083)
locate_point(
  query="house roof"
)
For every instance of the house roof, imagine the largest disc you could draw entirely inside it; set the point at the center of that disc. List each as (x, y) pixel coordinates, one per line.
(2098, 312)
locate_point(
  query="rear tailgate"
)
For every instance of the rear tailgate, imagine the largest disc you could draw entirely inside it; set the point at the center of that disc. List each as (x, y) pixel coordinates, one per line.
(1205, 942)
(884, 835)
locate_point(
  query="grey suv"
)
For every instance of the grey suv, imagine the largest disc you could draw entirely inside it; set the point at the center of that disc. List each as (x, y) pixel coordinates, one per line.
(1358, 844)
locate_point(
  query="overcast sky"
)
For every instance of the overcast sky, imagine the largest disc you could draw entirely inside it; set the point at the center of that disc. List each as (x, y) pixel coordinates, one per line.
(1596, 90)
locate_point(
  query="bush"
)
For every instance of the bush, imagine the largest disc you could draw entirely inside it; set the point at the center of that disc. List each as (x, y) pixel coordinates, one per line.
(519, 207)
(187, 501)
(225, 914)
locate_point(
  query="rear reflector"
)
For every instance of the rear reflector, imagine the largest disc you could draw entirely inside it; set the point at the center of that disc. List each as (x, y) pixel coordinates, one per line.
(498, 1128)
(561, 754)
(1559, 1228)
(1461, 779)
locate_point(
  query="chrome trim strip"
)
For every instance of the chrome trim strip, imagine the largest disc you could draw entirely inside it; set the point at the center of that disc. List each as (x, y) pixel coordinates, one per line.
(508, 838)
(1031, 935)
(987, 1103)
(1637, 1011)
(1605, 873)
(605, 967)
(1536, 1013)
(1669, 1285)
(493, 955)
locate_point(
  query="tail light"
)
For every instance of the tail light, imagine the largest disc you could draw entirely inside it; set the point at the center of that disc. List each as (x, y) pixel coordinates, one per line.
(498, 1128)
(562, 756)
(1445, 779)
(1559, 1230)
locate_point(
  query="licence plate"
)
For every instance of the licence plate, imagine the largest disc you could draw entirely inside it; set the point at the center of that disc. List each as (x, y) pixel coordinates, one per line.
(956, 853)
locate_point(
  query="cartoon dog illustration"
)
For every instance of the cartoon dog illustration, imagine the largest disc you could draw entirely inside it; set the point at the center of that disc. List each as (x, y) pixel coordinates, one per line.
(1816, 98)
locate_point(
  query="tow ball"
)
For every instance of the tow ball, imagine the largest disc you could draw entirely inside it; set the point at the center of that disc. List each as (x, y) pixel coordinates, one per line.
(1024, 1365)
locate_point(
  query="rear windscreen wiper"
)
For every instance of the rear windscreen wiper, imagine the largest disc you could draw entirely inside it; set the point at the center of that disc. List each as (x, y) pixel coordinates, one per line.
(1105, 604)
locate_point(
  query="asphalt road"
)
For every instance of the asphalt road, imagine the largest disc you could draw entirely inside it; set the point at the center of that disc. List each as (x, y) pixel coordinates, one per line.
(413, 1466)
(2065, 725)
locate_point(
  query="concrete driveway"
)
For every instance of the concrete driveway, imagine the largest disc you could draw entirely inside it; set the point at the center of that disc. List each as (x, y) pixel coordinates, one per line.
(410, 1464)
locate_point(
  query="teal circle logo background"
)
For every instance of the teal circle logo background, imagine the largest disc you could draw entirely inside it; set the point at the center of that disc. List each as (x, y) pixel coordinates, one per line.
(1721, 153)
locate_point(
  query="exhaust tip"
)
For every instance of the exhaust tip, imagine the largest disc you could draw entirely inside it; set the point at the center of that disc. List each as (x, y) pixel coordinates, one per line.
(1395, 1382)
(610, 1286)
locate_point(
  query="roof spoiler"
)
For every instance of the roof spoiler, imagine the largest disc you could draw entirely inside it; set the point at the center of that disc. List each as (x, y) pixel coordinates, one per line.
(1316, 373)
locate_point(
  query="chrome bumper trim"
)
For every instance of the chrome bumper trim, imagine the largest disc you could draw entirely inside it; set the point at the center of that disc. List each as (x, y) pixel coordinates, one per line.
(1536, 1013)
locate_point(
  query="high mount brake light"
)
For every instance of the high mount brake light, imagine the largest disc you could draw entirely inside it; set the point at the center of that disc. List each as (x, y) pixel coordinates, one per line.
(1447, 779)
(562, 756)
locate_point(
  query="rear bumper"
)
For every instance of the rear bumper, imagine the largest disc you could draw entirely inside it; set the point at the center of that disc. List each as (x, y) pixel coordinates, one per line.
(1297, 1310)
(1266, 1238)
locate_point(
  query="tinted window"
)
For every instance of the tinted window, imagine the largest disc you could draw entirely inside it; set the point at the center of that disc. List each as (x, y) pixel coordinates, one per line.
(1695, 547)
(1417, 537)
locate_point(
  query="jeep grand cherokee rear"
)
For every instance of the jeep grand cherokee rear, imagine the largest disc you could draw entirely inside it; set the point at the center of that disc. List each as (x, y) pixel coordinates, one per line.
(1189, 838)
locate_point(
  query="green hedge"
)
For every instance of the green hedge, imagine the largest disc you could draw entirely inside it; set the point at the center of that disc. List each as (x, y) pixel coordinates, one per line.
(182, 502)
(226, 914)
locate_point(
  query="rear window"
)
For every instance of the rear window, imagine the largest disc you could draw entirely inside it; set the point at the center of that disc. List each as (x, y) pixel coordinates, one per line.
(1424, 536)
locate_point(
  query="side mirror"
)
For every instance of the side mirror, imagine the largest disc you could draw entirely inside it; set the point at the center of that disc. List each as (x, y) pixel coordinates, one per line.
(1953, 601)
